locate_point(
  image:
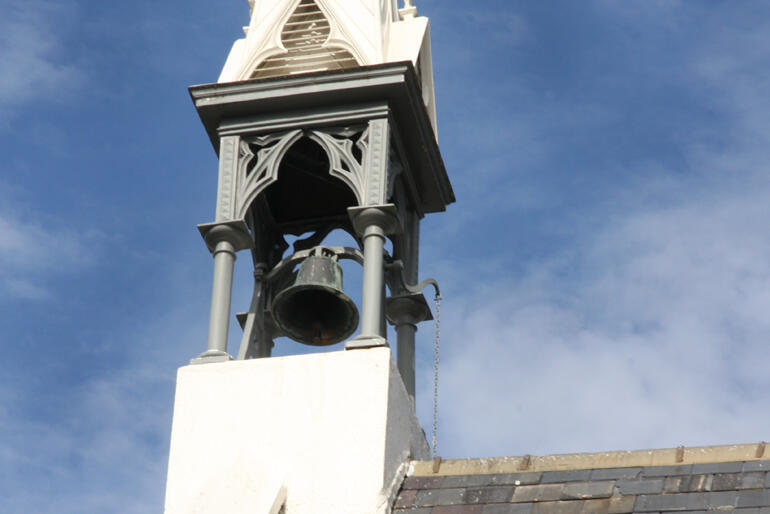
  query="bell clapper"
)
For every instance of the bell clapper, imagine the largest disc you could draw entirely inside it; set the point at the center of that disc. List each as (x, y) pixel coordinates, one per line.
(317, 338)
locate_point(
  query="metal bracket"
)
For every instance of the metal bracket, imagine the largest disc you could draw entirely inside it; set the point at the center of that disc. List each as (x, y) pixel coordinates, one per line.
(398, 266)
(287, 264)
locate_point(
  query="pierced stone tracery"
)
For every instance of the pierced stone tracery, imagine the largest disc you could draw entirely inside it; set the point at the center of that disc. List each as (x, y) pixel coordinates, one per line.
(304, 37)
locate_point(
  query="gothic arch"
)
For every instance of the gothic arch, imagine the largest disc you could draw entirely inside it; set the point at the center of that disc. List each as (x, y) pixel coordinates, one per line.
(261, 159)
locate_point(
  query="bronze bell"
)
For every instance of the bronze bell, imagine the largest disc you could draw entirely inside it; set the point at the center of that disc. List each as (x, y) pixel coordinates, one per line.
(315, 310)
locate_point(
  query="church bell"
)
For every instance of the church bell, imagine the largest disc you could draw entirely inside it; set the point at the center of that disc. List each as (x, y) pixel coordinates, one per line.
(315, 310)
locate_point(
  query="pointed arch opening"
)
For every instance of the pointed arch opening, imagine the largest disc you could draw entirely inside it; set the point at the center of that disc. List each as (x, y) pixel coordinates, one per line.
(306, 197)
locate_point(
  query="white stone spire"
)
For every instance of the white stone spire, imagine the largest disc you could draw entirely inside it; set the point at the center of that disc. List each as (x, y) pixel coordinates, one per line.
(287, 37)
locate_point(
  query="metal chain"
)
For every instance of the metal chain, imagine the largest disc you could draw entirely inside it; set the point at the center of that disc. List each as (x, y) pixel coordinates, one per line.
(435, 375)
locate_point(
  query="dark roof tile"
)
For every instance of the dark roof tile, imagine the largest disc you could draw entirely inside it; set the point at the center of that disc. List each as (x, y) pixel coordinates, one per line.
(718, 467)
(486, 495)
(587, 490)
(537, 493)
(754, 498)
(422, 482)
(517, 478)
(666, 471)
(687, 488)
(640, 486)
(405, 498)
(457, 509)
(434, 497)
(507, 508)
(467, 481)
(559, 507)
(756, 465)
(686, 501)
(610, 473)
(690, 484)
(572, 475)
(752, 480)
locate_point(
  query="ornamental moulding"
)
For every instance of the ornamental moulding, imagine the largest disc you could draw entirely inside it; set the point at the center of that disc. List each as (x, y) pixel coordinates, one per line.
(256, 170)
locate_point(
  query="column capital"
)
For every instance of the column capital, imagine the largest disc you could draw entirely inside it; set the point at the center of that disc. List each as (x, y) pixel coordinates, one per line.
(234, 232)
(383, 216)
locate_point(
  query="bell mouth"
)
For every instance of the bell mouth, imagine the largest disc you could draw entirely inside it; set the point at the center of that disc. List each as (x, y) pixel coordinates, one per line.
(315, 314)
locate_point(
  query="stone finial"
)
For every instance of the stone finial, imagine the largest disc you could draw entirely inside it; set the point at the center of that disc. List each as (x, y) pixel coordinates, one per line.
(409, 10)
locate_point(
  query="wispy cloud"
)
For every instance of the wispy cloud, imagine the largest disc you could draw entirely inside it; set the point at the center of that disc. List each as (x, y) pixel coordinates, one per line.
(105, 453)
(655, 342)
(31, 252)
(32, 60)
(100, 442)
(651, 328)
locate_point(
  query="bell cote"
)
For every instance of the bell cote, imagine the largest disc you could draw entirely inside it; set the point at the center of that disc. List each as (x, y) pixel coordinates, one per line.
(324, 126)
(289, 37)
(320, 124)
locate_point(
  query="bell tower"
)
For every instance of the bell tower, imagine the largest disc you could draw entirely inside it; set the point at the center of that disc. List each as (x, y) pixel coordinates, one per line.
(323, 119)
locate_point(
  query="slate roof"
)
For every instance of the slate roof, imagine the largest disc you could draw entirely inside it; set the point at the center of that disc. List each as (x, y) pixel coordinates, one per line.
(742, 487)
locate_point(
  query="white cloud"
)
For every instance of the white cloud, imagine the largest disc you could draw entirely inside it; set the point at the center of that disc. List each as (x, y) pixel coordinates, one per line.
(652, 331)
(655, 334)
(100, 444)
(24, 289)
(31, 251)
(31, 58)
(28, 245)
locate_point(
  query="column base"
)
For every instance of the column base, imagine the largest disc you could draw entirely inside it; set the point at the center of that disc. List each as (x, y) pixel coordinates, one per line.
(210, 356)
(362, 342)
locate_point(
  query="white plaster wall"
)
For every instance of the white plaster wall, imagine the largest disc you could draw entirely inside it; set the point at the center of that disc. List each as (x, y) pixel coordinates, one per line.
(410, 41)
(334, 430)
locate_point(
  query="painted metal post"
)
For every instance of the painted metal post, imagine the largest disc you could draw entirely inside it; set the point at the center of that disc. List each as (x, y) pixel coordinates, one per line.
(372, 298)
(405, 333)
(408, 317)
(219, 321)
(373, 223)
(405, 311)
(257, 341)
(224, 240)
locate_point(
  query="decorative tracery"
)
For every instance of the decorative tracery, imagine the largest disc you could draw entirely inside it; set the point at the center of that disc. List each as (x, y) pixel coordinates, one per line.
(260, 158)
(304, 37)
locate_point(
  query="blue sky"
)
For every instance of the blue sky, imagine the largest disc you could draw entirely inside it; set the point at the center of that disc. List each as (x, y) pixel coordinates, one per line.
(606, 268)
